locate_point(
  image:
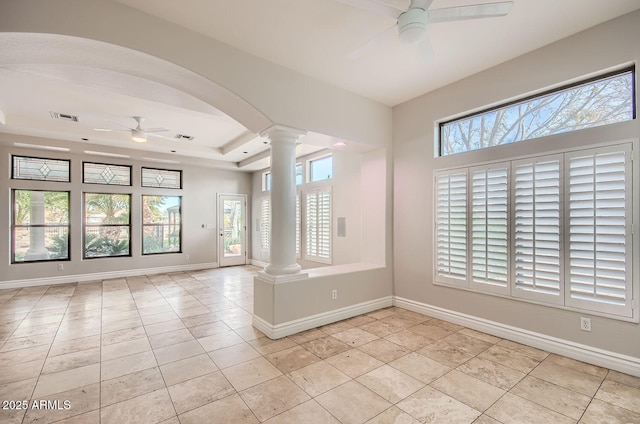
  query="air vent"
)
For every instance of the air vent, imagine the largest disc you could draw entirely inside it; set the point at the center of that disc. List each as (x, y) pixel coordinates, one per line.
(64, 116)
(184, 137)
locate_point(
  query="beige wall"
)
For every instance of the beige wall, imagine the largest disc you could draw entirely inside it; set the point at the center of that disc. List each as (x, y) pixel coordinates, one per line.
(612, 44)
(285, 97)
(199, 194)
(346, 198)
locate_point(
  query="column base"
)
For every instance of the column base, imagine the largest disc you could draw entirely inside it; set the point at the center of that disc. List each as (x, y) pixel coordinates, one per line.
(281, 278)
(282, 270)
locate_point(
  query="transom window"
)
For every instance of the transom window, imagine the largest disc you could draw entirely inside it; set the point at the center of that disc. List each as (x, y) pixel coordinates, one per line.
(108, 174)
(599, 101)
(43, 169)
(321, 169)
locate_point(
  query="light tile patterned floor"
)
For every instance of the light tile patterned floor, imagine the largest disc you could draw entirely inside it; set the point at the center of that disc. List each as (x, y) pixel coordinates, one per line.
(179, 348)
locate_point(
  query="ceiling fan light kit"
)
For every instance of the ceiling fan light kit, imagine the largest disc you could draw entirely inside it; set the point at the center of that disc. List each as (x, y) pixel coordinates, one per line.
(412, 26)
(138, 136)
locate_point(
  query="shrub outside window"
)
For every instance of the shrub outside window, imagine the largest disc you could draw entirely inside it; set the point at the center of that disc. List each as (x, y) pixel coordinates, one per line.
(40, 226)
(161, 224)
(107, 225)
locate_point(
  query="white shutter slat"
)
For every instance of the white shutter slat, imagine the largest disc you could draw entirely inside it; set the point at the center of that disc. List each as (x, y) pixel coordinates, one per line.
(265, 221)
(318, 225)
(599, 243)
(536, 199)
(489, 227)
(451, 228)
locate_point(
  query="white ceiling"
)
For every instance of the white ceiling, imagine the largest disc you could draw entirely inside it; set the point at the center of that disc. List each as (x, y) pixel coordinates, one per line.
(312, 37)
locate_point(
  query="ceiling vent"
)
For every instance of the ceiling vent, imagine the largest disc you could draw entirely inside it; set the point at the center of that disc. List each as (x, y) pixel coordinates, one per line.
(184, 137)
(64, 116)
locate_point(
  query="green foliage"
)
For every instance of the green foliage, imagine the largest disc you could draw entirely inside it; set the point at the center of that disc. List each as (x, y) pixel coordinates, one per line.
(59, 249)
(152, 244)
(96, 246)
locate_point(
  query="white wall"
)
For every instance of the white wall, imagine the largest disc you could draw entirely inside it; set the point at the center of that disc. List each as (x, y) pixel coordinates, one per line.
(346, 197)
(285, 97)
(612, 44)
(199, 193)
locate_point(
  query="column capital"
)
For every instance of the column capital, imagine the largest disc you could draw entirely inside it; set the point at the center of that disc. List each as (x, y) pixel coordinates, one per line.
(281, 133)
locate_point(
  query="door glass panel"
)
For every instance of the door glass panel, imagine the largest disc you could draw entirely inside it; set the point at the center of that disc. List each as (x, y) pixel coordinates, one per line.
(232, 227)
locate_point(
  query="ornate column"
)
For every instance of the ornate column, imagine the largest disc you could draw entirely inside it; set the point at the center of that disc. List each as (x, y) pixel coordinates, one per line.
(268, 302)
(283, 201)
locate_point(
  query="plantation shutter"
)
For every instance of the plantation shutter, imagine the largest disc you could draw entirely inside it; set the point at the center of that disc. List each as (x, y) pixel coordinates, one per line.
(536, 220)
(318, 225)
(298, 225)
(599, 204)
(489, 228)
(265, 221)
(451, 227)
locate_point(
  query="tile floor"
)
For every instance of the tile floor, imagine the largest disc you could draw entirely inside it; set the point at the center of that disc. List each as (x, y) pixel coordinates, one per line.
(179, 348)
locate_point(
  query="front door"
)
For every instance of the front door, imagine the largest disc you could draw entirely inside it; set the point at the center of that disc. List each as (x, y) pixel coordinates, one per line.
(232, 229)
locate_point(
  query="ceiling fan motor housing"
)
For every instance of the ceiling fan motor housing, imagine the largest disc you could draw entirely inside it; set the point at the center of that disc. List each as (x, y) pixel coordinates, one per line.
(412, 25)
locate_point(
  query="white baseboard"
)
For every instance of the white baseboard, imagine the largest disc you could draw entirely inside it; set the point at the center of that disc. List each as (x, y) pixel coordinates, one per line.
(292, 327)
(259, 263)
(623, 363)
(78, 278)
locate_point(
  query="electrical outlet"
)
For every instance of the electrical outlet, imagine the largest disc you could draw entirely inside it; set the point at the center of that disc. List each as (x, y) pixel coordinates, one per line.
(585, 324)
(334, 294)
(186, 258)
(60, 267)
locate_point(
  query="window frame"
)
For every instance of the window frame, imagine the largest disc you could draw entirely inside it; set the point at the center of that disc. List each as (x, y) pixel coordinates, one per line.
(14, 226)
(305, 226)
(309, 176)
(84, 163)
(85, 226)
(143, 225)
(14, 177)
(178, 171)
(630, 312)
(537, 95)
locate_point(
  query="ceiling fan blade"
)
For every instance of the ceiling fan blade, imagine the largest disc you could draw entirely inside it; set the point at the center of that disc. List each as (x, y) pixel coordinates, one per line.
(425, 50)
(154, 130)
(110, 130)
(166, 137)
(119, 124)
(391, 32)
(375, 6)
(421, 4)
(476, 11)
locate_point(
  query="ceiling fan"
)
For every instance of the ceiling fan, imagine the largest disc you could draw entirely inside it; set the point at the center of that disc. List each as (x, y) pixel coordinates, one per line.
(411, 24)
(138, 134)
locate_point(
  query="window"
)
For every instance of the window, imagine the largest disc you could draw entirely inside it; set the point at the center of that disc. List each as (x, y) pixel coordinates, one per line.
(161, 224)
(551, 229)
(102, 173)
(451, 226)
(317, 225)
(537, 228)
(107, 225)
(30, 168)
(40, 225)
(265, 224)
(161, 178)
(321, 169)
(489, 227)
(266, 181)
(599, 237)
(299, 176)
(604, 100)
